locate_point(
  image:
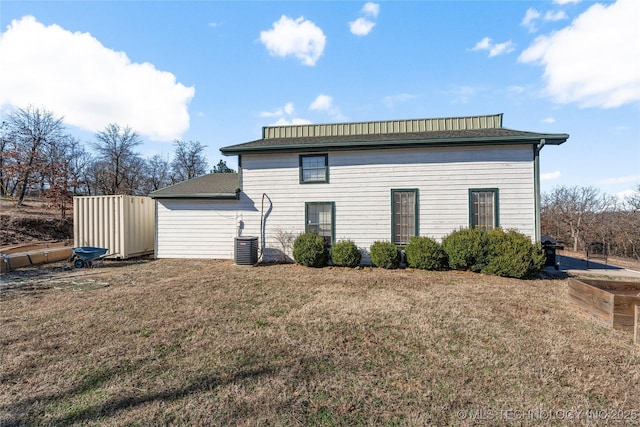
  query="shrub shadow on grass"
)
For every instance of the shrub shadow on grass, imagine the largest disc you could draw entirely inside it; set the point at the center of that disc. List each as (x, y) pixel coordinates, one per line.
(110, 407)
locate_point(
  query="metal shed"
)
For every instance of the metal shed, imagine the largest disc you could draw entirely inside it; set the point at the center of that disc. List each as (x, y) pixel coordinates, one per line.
(125, 225)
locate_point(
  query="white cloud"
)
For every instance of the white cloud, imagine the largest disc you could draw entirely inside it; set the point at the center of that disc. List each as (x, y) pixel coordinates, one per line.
(285, 116)
(566, 1)
(275, 113)
(322, 102)
(594, 61)
(494, 49)
(90, 85)
(288, 108)
(501, 48)
(549, 120)
(550, 176)
(361, 26)
(325, 103)
(532, 15)
(371, 9)
(294, 121)
(625, 194)
(555, 16)
(529, 19)
(300, 38)
(621, 180)
(483, 44)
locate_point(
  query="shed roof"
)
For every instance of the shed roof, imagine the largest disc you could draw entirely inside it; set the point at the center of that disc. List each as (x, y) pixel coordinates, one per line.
(454, 131)
(211, 186)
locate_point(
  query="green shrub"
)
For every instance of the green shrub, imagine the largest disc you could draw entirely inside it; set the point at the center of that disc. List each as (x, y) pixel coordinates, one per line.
(309, 250)
(345, 253)
(385, 255)
(512, 254)
(426, 254)
(466, 249)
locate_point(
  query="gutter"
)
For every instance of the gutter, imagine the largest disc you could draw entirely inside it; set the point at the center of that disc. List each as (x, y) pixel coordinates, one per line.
(554, 139)
(213, 196)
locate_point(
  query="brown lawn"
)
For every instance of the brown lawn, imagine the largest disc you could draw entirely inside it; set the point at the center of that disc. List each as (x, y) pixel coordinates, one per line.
(188, 342)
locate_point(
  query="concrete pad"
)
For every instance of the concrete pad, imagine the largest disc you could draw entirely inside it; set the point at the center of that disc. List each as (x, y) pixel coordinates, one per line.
(580, 267)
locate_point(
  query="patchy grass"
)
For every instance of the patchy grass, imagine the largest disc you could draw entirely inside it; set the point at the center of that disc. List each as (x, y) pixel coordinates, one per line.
(200, 342)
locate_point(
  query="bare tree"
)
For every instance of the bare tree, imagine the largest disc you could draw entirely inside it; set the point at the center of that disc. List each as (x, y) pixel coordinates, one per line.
(158, 173)
(117, 160)
(573, 210)
(188, 161)
(629, 233)
(79, 161)
(31, 131)
(136, 177)
(7, 155)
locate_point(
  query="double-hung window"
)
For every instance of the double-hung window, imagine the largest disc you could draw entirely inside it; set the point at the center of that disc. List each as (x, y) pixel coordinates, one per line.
(483, 208)
(320, 218)
(314, 168)
(404, 215)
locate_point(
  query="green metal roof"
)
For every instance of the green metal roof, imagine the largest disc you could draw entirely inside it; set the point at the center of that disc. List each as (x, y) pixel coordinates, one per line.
(223, 186)
(438, 132)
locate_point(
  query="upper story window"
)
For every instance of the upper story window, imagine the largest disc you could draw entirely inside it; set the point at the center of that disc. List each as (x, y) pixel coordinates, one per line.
(314, 168)
(483, 208)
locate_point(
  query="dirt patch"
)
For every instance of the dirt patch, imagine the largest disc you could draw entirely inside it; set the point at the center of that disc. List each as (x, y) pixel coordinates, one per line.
(202, 342)
(32, 222)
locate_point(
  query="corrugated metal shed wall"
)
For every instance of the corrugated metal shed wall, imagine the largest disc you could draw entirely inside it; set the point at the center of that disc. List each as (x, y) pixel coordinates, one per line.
(383, 127)
(123, 224)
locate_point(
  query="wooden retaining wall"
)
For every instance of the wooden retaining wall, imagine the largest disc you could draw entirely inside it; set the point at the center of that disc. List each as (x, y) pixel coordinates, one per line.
(613, 302)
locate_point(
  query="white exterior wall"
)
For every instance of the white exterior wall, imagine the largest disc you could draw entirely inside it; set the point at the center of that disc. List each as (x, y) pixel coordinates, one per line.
(199, 228)
(360, 184)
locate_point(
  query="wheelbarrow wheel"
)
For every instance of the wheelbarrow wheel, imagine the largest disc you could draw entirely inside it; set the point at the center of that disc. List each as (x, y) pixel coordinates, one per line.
(78, 263)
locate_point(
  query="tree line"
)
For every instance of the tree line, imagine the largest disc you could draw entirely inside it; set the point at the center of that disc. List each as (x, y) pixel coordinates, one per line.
(583, 216)
(39, 157)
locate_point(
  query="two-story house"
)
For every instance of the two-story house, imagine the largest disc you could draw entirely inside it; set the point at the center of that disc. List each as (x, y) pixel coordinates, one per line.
(386, 180)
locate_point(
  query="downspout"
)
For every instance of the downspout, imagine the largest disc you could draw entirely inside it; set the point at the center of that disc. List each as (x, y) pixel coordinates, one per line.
(155, 232)
(263, 225)
(536, 186)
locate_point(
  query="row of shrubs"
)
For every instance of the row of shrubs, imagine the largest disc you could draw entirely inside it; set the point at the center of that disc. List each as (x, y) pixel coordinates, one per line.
(497, 252)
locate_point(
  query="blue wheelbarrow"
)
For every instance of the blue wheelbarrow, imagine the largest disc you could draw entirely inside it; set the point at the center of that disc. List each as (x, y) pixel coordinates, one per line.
(85, 256)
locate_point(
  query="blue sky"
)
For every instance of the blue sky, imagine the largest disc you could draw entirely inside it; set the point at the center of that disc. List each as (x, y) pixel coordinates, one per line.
(216, 72)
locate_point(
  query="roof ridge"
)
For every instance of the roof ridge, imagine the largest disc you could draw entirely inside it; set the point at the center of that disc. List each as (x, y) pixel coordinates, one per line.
(493, 121)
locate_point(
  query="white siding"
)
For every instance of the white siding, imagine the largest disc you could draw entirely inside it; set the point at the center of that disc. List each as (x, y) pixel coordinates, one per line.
(360, 184)
(199, 229)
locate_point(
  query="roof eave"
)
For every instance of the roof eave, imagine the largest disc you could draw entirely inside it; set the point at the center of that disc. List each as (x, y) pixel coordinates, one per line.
(210, 196)
(551, 139)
